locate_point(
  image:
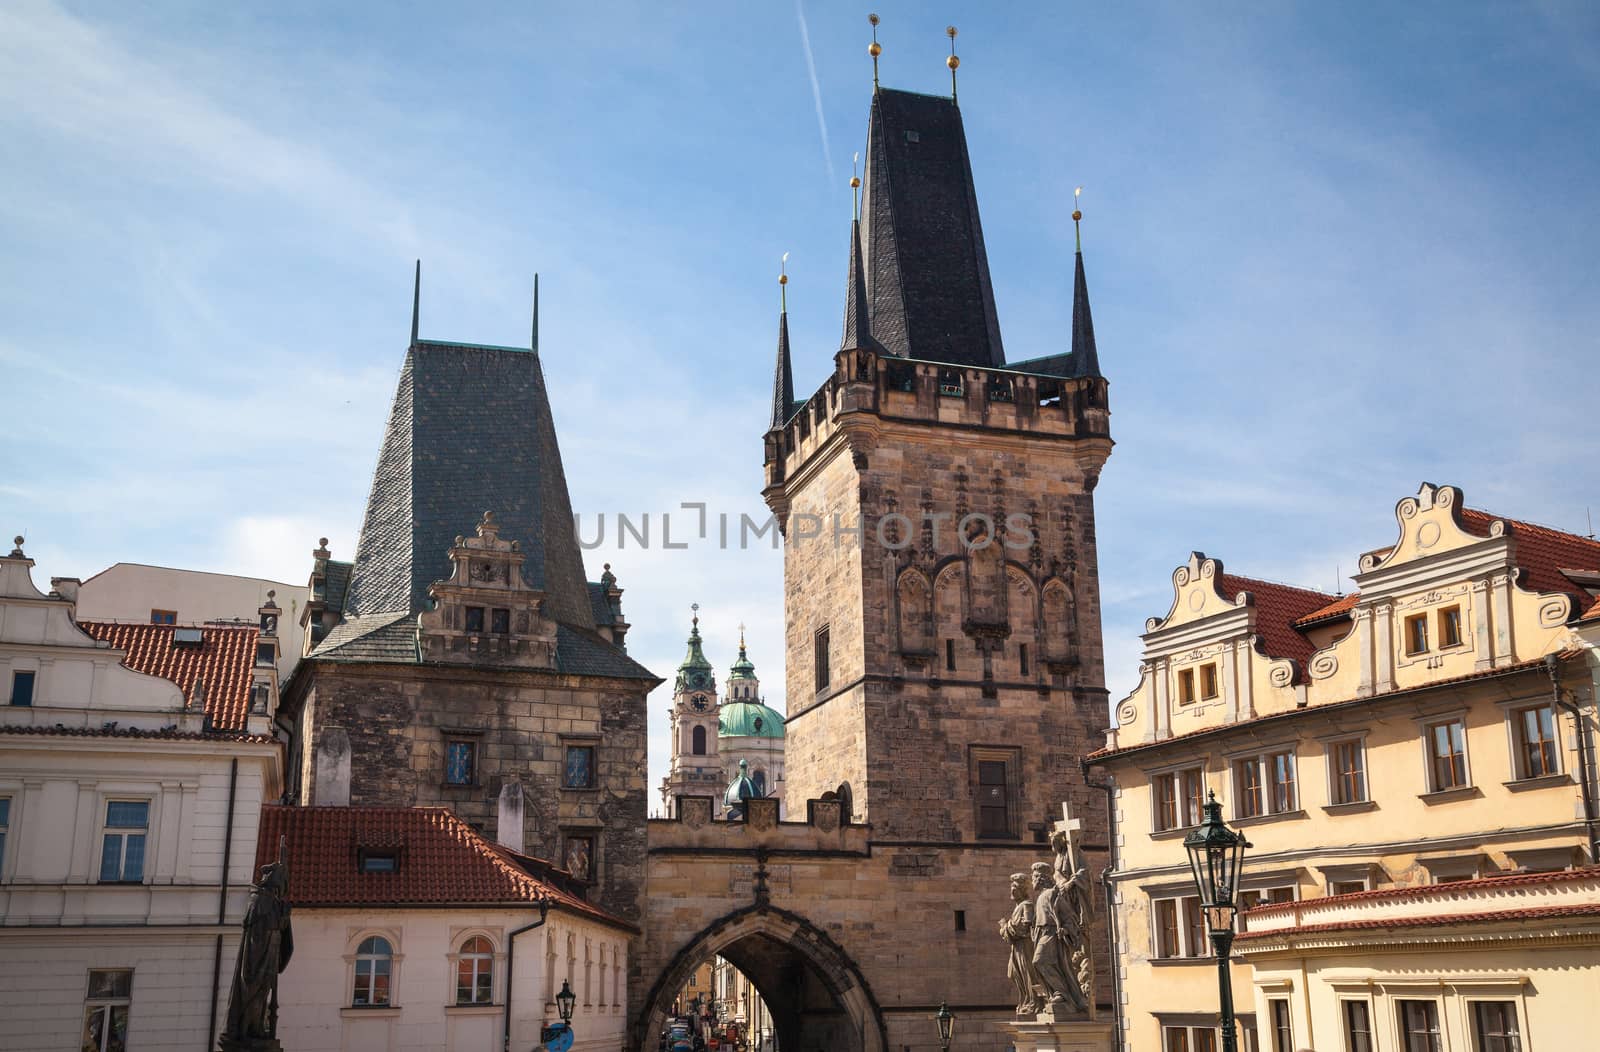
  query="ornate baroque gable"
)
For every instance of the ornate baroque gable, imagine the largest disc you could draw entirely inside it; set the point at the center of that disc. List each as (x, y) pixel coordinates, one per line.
(484, 614)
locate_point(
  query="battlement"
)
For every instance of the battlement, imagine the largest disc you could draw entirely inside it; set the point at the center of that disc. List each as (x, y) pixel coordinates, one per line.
(867, 384)
(694, 829)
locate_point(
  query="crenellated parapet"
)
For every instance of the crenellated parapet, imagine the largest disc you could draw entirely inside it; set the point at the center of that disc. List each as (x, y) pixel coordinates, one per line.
(693, 828)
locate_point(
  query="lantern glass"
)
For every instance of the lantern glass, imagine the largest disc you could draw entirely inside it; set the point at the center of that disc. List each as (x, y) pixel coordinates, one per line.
(947, 1022)
(565, 1000)
(1215, 856)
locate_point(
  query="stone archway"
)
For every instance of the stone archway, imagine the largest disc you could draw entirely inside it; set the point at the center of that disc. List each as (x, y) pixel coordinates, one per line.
(818, 997)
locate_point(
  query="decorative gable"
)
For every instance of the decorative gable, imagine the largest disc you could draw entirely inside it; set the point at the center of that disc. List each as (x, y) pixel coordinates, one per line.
(484, 613)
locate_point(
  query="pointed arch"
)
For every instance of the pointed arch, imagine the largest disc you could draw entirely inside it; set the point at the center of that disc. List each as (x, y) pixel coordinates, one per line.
(914, 602)
(1060, 626)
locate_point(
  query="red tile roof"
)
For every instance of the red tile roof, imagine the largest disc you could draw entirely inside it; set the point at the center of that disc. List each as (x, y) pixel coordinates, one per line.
(222, 662)
(1343, 605)
(138, 732)
(1278, 607)
(1591, 613)
(1423, 891)
(1541, 551)
(442, 861)
(1582, 909)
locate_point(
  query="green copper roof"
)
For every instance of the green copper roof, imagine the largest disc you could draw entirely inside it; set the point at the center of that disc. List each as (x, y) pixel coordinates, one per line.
(741, 788)
(744, 668)
(695, 672)
(749, 719)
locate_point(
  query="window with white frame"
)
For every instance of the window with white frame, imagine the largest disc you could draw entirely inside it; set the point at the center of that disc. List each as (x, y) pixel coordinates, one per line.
(1264, 784)
(1533, 730)
(122, 843)
(1179, 927)
(1347, 771)
(1494, 1026)
(374, 970)
(105, 1010)
(475, 972)
(1188, 1039)
(1446, 742)
(1177, 798)
(1250, 898)
(1419, 1026)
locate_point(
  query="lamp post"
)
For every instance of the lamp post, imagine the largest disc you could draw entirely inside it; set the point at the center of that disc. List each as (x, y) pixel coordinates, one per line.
(565, 1000)
(1215, 852)
(947, 1023)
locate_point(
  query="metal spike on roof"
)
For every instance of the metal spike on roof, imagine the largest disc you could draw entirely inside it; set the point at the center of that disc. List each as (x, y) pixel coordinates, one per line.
(782, 377)
(857, 320)
(416, 303)
(535, 342)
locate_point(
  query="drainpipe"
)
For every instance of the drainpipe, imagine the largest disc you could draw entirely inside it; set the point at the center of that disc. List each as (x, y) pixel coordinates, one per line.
(543, 905)
(222, 902)
(1552, 664)
(1111, 910)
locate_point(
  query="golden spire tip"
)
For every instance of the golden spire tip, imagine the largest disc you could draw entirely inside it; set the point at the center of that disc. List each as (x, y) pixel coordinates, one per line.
(874, 49)
(953, 62)
(1077, 217)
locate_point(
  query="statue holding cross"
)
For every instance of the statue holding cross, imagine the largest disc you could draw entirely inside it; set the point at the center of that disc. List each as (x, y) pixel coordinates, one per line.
(1061, 921)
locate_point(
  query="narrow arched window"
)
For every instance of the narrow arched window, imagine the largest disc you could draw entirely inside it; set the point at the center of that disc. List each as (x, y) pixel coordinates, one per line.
(475, 972)
(374, 965)
(697, 741)
(758, 777)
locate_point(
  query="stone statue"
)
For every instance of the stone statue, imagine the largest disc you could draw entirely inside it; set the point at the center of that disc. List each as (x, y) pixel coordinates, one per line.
(264, 952)
(1058, 930)
(1017, 930)
(1073, 892)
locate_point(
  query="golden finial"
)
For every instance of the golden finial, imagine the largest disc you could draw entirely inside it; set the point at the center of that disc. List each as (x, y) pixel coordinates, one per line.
(953, 62)
(874, 49)
(855, 185)
(1077, 217)
(783, 281)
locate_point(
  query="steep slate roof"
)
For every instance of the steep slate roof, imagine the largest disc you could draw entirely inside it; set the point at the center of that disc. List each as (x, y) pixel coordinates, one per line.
(1278, 607)
(442, 861)
(470, 430)
(336, 582)
(222, 662)
(927, 271)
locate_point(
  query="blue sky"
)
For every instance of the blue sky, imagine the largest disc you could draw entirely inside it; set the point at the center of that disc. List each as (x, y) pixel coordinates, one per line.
(1333, 250)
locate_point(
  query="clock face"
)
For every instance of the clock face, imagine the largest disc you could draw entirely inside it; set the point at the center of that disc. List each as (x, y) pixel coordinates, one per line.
(699, 703)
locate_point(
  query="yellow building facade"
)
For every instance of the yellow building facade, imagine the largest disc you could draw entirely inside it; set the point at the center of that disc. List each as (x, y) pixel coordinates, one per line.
(1414, 759)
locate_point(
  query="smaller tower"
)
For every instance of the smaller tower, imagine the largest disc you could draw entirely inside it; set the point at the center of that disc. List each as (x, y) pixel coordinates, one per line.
(695, 769)
(749, 733)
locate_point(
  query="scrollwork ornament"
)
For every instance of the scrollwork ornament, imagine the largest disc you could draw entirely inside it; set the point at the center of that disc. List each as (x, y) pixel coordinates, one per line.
(1324, 665)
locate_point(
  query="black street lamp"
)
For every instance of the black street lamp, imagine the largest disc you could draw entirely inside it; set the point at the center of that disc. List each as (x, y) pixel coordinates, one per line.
(565, 1000)
(947, 1023)
(1215, 852)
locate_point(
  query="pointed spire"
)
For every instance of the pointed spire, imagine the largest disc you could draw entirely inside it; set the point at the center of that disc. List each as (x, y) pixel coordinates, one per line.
(783, 375)
(535, 343)
(1085, 359)
(857, 321)
(953, 62)
(874, 49)
(416, 303)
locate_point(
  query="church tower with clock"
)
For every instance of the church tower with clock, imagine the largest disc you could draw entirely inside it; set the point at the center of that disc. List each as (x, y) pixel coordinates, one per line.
(696, 769)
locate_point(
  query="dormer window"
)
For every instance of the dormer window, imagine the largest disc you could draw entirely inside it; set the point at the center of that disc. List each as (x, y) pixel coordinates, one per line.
(475, 620)
(1417, 634)
(379, 861)
(163, 617)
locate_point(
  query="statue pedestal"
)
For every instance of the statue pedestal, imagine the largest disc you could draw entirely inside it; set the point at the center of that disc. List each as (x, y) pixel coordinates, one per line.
(1045, 1034)
(248, 1044)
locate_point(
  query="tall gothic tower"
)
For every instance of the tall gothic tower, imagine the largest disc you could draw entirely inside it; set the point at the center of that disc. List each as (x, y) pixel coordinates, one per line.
(945, 671)
(695, 768)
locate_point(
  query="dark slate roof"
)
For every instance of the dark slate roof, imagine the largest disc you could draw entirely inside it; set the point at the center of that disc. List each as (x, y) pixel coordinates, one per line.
(600, 604)
(1085, 359)
(857, 313)
(927, 270)
(336, 582)
(782, 377)
(470, 431)
(582, 653)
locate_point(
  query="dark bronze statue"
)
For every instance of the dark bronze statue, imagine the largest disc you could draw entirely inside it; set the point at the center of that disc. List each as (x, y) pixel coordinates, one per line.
(264, 952)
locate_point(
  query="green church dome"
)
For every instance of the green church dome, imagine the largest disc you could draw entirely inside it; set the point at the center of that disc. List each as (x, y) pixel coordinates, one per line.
(749, 719)
(744, 668)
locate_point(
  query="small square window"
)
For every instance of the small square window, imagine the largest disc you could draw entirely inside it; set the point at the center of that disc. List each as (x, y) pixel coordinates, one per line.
(1449, 627)
(500, 622)
(578, 772)
(1417, 634)
(1186, 687)
(266, 654)
(1208, 680)
(475, 620)
(163, 617)
(22, 688)
(461, 762)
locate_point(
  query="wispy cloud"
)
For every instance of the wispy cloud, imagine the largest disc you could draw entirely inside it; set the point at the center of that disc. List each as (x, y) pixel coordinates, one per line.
(816, 88)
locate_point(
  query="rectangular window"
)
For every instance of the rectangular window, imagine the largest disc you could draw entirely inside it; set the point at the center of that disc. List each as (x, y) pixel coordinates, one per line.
(1180, 928)
(1417, 634)
(1449, 627)
(1178, 798)
(1264, 785)
(379, 862)
(1282, 1031)
(266, 653)
(1535, 732)
(820, 658)
(949, 655)
(1188, 1039)
(105, 1011)
(1250, 898)
(1347, 766)
(163, 617)
(961, 920)
(1194, 928)
(1346, 887)
(1495, 1025)
(994, 803)
(1186, 687)
(1169, 943)
(122, 849)
(475, 620)
(460, 762)
(22, 688)
(1419, 1026)
(1022, 658)
(1208, 680)
(500, 622)
(1447, 755)
(5, 829)
(1357, 1026)
(578, 773)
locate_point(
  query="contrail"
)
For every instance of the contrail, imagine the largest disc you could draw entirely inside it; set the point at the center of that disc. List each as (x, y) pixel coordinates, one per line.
(816, 88)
